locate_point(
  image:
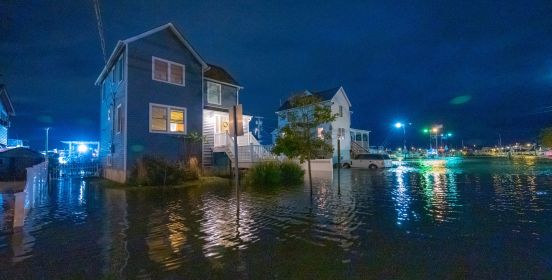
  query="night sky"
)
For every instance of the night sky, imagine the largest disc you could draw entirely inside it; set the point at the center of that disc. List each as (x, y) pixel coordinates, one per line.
(481, 69)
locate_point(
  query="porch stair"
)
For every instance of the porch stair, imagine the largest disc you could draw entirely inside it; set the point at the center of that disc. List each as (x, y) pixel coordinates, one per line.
(357, 149)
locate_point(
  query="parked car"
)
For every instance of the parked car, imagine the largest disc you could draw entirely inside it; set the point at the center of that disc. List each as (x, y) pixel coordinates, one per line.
(372, 161)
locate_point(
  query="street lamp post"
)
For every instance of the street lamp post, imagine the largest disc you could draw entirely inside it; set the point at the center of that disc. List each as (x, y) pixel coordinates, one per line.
(46, 144)
(401, 125)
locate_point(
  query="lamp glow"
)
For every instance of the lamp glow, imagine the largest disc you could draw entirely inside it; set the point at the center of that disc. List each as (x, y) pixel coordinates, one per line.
(82, 148)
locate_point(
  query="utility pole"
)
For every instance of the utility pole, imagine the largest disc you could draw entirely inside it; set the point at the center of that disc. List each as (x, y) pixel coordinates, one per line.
(46, 146)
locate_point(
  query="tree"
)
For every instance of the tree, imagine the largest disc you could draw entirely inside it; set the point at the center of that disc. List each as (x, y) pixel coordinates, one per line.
(299, 137)
(546, 137)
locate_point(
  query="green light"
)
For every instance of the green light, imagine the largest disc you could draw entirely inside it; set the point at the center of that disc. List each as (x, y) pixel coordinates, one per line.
(426, 130)
(449, 134)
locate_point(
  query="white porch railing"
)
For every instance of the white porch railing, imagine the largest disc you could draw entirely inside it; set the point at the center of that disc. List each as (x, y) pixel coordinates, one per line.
(221, 139)
(249, 150)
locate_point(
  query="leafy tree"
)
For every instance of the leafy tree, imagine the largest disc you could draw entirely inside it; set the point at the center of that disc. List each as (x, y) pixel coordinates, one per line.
(546, 137)
(299, 137)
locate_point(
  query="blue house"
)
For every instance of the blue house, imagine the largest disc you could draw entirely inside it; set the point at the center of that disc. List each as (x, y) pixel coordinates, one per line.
(6, 111)
(156, 90)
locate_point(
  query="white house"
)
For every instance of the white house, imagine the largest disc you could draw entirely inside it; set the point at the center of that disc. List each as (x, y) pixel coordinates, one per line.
(340, 104)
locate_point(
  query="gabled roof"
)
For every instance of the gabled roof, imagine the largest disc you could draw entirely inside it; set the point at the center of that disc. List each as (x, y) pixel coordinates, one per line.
(217, 73)
(324, 95)
(5, 99)
(122, 44)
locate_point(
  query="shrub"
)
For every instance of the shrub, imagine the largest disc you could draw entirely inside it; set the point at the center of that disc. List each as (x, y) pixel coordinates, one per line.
(155, 171)
(291, 173)
(272, 173)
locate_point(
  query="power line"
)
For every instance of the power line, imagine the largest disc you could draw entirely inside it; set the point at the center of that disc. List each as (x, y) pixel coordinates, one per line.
(100, 27)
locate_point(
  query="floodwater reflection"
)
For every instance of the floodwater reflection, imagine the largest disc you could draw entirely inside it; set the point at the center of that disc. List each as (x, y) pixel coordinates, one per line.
(469, 218)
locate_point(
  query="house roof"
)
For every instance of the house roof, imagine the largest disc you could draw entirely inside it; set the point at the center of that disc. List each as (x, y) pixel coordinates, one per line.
(5, 99)
(219, 74)
(324, 95)
(122, 44)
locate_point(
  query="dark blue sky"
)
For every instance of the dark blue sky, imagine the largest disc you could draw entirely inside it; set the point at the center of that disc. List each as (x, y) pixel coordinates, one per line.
(396, 60)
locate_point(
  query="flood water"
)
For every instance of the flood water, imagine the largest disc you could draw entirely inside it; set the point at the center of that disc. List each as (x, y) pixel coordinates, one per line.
(425, 219)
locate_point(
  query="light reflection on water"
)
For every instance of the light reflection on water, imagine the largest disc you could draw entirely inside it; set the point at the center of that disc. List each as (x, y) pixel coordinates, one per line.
(469, 217)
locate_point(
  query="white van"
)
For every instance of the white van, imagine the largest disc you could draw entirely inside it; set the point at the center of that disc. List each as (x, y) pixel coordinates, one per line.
(372, 161)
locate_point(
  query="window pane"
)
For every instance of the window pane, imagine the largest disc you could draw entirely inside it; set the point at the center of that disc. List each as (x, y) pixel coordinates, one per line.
(177, 76)
(177, 121)
(160, 71)
(213, 93)
(158, 118)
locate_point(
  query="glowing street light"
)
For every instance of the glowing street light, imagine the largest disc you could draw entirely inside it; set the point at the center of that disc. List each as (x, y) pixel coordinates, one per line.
(82, 148)
(401, 125)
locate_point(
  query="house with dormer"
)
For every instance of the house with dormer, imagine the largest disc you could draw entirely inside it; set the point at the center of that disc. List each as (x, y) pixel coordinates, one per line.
(352, 140)
(155, 90)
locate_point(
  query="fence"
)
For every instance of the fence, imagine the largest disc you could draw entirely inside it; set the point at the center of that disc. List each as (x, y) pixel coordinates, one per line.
(75, 170)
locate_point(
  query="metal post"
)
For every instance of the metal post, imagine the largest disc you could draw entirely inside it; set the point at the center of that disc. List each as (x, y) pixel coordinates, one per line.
(404, 140)
(46, 146)
(338, 165)
(236, 168)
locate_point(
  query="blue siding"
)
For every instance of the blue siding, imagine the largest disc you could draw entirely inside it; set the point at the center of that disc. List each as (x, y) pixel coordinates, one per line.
(143, 90)
(112, 94)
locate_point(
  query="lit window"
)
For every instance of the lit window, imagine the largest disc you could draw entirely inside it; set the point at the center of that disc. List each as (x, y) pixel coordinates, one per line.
(213, 93)
(177, 120)
(320, 133)
(167, 119)
(167, 71)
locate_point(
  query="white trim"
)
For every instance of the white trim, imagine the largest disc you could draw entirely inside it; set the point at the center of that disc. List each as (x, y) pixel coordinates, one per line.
(223, 83)
(219, 92)
(344, 94)
(168, 108)
(169, 63)
(178, 35)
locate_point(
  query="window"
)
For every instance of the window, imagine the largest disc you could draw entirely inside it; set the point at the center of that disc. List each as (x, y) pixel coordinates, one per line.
(340, 111)
(119, 71)
(167, 119)
(213, 93)
(320, 133)
(119, 118)
(158, 118)
(341, 132)
(167, 71)
(177, 121)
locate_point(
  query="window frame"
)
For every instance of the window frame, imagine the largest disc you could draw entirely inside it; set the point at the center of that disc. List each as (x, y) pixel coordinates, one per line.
(168, 109)
(169, 63)
(219, 92)
(118, 119)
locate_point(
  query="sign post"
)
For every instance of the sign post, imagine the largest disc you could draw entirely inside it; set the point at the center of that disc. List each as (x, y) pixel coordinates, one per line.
(236, 129)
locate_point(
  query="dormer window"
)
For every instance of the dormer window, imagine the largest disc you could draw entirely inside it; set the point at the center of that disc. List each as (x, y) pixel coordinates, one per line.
(213, 93)
(167, 71)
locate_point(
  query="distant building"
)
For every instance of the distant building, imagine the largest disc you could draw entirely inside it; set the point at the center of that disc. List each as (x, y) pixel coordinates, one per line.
(14, 161)
(6, 111)
(156, 90)
(337, 100)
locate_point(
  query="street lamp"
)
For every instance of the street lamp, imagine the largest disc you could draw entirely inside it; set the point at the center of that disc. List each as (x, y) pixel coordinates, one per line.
(401, 125)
